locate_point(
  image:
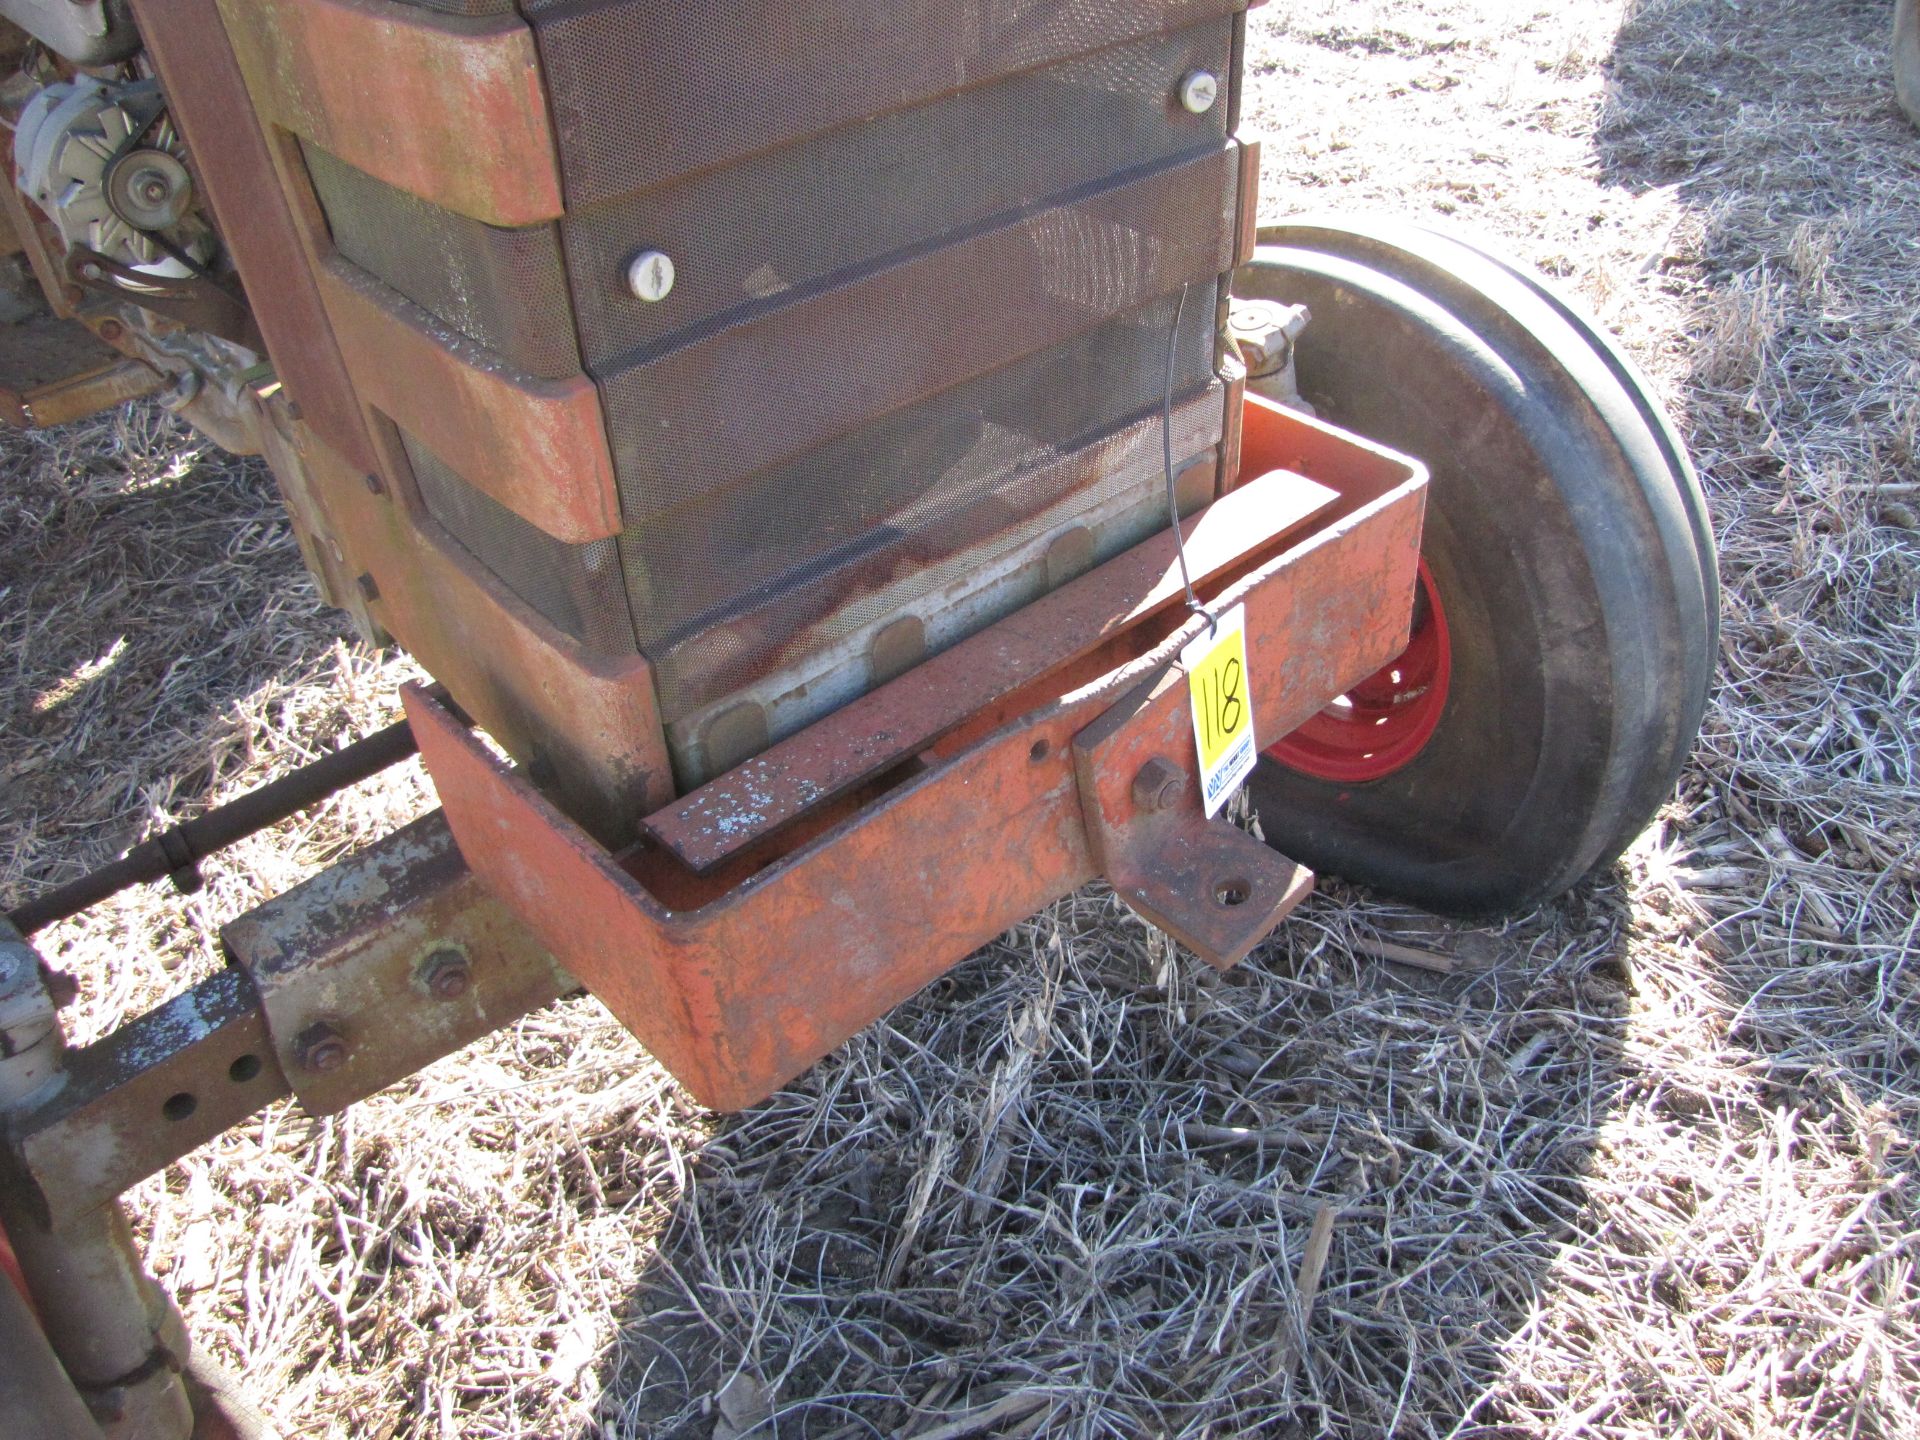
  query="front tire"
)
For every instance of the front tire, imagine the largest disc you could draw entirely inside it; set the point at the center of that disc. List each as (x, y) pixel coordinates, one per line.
(1906, 56)
(1569, 566)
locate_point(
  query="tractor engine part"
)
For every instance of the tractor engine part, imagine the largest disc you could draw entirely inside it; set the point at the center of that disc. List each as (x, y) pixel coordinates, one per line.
(105, 165)
(86, 32)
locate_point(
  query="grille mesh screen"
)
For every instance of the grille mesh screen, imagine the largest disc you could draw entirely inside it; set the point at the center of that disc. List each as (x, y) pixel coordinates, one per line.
(929, 255)
(802, 542)
(784, 220)
(505, 288)
(576, 588)
(619, 70)
(797, 377)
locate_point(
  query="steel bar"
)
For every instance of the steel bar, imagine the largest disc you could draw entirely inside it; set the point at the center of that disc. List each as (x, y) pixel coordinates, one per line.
(115, 1332)
(175, 853)
(152, 1091)
(35, 1393)
(396, 956)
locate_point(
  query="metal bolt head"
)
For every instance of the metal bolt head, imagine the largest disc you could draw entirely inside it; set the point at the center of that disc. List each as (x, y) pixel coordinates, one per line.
(1199, 92)
(1158, 786)
(320, 1048)
(650, 276)
(447, 974)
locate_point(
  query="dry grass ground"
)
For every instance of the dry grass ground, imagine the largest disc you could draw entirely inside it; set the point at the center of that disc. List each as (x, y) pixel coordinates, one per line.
(1644, 1165)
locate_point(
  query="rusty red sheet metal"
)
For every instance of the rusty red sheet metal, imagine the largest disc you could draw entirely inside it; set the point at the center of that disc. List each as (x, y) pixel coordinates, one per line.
(539, 447)
(449, 108)
(737, 985)
(208, 99)
(383, 964)
(589, 727)
(752, 802)
(1207, 883)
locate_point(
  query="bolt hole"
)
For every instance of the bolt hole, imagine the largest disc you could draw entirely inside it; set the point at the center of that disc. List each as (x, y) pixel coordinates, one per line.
(1041, 749)
(244, 1069)
(179, 1107)
(1231, 893)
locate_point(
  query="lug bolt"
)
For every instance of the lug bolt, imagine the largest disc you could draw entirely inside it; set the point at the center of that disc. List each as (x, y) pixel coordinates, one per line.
(1158, 786)
(446, 974)
(320, 1048)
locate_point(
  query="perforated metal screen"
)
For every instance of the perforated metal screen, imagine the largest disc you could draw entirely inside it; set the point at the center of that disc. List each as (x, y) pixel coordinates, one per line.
(724, 585)
(782, 221)
(928, 257)
(505, 288)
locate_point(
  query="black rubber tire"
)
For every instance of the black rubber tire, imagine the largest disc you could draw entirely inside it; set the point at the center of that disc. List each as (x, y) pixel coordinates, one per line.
(1571, 548)
(1906, 56)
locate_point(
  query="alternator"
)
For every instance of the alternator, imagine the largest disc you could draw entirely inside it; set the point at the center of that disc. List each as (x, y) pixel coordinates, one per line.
(104, 163)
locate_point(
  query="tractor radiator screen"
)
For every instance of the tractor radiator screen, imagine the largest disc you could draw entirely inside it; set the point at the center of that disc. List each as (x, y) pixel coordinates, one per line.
(927, 257)
(724, 584)
(781, 222)
(506, 289)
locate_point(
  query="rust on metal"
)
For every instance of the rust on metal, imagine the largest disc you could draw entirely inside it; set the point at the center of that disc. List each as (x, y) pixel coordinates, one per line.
(73, 397)
(1246, 237)
(739, 982)
(774, 632)
(539, 447)
(150, 1092)
(590, 727)
(745, 806)
(1207, 883)
(338, 964)
(189, 46)
(448, 108)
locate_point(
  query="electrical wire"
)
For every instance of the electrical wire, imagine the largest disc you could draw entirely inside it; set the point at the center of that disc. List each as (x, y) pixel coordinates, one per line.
(1166, 447)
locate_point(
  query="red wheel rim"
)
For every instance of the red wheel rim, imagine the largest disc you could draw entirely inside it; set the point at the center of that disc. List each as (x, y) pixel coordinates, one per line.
(1386, 720)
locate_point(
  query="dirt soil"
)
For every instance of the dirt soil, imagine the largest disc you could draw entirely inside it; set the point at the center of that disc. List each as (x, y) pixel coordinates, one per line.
(1643, 1165)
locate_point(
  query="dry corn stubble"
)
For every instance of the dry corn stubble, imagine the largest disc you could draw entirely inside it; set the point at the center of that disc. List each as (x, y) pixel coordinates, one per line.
(1640, 1165)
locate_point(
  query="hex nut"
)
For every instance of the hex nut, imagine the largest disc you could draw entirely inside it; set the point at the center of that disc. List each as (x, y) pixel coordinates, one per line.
(446, 973)
(1158, 786)
(320, 1048)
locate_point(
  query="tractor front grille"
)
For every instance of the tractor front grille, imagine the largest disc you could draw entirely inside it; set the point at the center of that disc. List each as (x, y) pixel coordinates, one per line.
(928, 262)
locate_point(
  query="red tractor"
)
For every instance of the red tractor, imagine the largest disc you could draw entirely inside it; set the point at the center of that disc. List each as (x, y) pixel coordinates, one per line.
(867, 468)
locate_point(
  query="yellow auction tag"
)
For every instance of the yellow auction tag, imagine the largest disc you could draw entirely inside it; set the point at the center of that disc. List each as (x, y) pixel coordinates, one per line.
(1218, 682)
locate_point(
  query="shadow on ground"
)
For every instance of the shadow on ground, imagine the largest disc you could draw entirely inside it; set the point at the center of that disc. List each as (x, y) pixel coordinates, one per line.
(1076, 1180)
(150, 588)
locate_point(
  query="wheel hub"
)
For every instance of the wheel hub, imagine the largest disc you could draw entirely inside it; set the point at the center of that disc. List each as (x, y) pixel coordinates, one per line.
(1384, 722)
